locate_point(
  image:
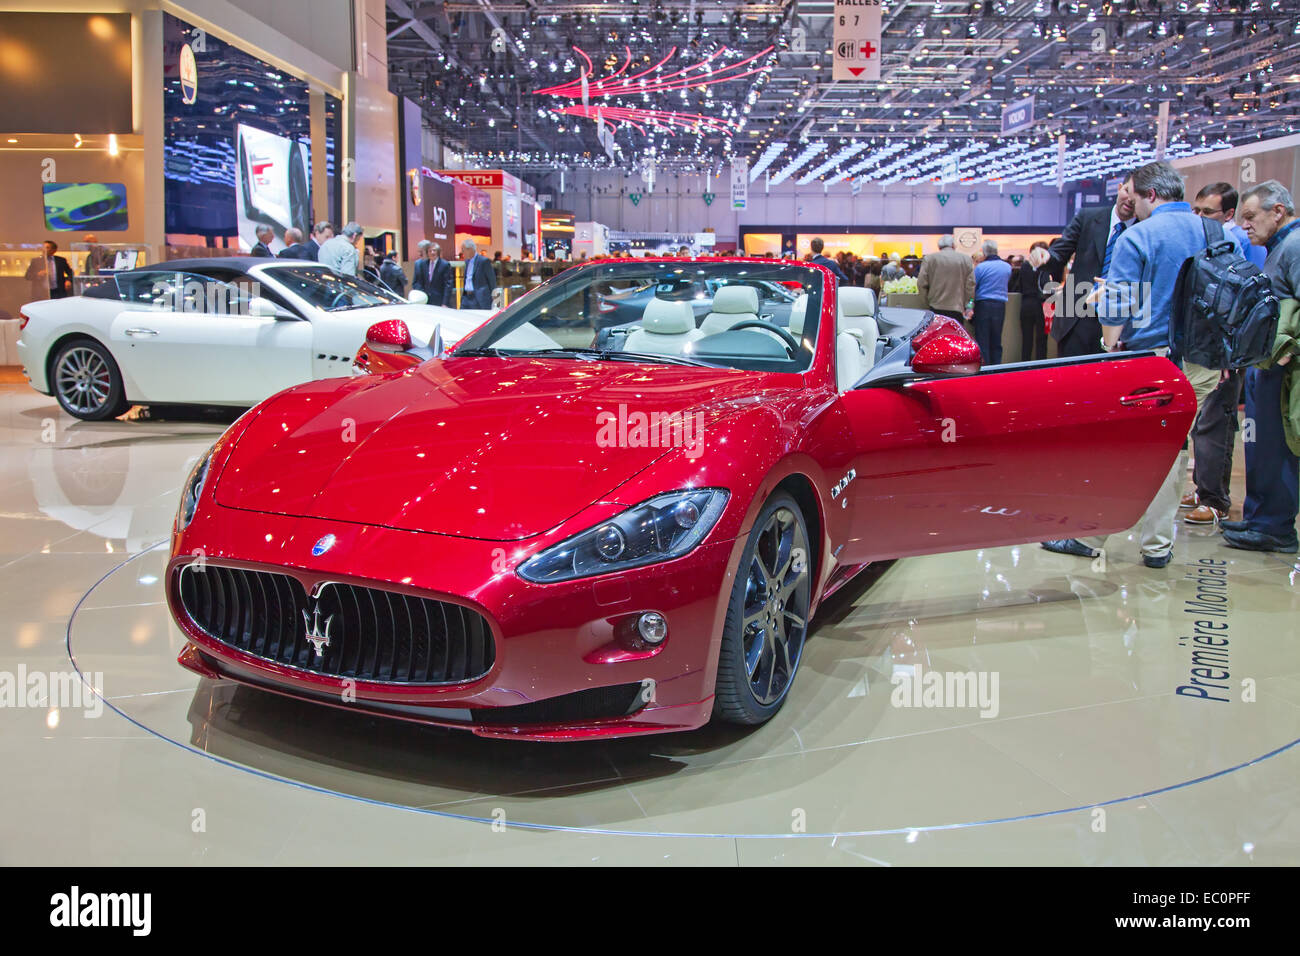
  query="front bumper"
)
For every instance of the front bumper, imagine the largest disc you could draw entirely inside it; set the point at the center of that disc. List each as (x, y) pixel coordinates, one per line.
(551, 641)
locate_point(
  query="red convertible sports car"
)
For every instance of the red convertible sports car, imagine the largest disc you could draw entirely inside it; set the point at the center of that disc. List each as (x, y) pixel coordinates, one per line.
(565, 529)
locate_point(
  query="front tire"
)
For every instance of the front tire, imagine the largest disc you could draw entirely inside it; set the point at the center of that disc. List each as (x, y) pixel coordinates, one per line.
(767, 618)
(87, 382)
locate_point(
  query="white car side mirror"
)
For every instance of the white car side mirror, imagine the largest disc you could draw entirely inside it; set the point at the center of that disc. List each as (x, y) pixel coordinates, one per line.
(263, 307)
(417, 297)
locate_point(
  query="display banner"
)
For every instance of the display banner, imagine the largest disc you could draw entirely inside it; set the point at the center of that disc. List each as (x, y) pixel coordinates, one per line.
(856, 43)
(439, 197)
(1162, 130)
(739, 183)
(1018, 115)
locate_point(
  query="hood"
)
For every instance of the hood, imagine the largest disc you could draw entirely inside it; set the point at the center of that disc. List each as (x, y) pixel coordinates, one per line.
(421, 320)
(489, 448)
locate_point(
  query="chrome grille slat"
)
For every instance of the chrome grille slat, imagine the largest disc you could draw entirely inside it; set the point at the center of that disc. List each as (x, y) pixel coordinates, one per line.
(375, 635)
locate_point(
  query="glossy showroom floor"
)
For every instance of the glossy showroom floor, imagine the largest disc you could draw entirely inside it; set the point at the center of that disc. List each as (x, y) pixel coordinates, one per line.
(1091, 758)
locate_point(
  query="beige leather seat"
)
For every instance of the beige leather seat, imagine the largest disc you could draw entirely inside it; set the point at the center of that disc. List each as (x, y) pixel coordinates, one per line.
(666, 329)
(856, 334)
(731, 304)
(798, 313)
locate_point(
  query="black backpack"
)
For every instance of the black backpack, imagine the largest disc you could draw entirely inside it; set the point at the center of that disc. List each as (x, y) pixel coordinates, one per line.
(1225, 312)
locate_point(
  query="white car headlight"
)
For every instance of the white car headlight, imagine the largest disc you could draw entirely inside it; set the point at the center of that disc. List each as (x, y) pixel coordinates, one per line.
(193, 490)
(665, 527)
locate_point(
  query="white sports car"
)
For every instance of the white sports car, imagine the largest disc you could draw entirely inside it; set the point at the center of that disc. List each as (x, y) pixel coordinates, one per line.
(227, 331)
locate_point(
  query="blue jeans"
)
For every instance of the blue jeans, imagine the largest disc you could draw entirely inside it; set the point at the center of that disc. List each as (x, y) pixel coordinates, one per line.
(1272, 476)
(989, 316)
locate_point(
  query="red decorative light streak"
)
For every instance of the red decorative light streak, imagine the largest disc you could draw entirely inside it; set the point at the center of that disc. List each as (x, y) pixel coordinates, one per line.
(635, 117)
(607, 86)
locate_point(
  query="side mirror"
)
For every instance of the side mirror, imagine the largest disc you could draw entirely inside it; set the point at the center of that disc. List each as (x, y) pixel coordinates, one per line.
(417, 297)
(391, 335)
(263, 307)
(945, 354)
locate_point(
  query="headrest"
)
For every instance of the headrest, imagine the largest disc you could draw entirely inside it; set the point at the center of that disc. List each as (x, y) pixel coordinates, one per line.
(857, 301)
(668, 318)
(798, 312)
(736, 299)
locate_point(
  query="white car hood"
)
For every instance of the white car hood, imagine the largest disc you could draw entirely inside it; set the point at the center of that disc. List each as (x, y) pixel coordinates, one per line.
(421, 320)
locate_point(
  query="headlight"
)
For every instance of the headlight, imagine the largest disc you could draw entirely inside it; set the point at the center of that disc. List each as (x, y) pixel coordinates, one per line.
(665, 527)
(192, 491)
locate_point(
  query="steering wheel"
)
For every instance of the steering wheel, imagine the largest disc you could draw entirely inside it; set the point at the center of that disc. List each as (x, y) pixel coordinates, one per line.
(341, 298)
(784, 335)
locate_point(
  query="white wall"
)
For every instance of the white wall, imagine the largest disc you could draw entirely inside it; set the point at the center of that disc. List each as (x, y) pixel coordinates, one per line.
(322, 26)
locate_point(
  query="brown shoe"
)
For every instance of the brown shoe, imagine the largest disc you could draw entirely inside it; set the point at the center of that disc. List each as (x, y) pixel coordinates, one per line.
(1204, 514)
(1188, 500)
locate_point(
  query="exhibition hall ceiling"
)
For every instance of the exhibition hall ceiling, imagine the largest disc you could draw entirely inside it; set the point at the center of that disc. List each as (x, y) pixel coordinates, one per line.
(695, 85)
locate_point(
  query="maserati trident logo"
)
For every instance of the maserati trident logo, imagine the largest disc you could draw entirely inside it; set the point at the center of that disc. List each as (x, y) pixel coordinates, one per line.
(318, 637)
(323, 545)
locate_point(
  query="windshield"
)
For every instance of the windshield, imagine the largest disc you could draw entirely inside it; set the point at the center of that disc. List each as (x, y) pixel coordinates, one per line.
(737, 314)
(326, 289)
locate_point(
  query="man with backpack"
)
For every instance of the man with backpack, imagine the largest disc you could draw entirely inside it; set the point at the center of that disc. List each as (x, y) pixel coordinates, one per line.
(1272, 398)
(1136, 307)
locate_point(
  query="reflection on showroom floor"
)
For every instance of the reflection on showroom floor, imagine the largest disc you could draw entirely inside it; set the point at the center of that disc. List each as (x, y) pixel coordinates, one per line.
(1086, 754)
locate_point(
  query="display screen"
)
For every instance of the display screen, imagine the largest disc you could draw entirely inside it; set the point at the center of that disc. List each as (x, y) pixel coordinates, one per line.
(71, 207)
(272, 173)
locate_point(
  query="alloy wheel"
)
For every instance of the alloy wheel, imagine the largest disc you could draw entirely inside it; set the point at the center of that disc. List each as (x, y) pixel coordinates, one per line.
(775, 616)
(84, 380)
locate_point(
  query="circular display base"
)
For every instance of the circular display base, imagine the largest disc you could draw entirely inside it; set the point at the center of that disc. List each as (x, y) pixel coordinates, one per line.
(942, 692)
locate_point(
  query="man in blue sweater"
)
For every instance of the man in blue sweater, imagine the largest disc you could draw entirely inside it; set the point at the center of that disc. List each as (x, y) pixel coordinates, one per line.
(992, 278)
(1135, 306)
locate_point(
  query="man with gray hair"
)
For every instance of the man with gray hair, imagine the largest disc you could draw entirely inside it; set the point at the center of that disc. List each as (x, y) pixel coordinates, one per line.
(265, 236)
(992, 280)
(946, 280)
(293, 245)
(1272, 393)
(480, 278)
(342, 253)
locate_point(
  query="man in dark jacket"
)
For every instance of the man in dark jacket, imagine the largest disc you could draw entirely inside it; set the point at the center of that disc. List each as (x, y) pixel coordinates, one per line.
(821, 260)
(433, 276)
(50, 274)
(1089, 239)
(294, 247)
(480, 279)
(392, 274)
(265, 236)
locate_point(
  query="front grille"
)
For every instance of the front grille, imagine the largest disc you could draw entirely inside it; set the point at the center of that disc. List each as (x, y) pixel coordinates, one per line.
(373, 635)
(596, 703)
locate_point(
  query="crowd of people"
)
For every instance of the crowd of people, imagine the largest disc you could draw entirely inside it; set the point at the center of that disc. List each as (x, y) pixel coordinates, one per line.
(1120, 295)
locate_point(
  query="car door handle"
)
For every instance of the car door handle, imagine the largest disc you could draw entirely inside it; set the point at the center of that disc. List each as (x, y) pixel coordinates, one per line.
(141, 331)
(1149, 394)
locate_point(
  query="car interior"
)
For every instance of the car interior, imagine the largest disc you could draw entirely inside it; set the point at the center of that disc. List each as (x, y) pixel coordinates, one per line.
(743, 320)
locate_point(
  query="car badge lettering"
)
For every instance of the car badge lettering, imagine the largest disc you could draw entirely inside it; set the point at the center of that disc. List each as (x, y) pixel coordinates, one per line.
(318, 638)
(323, 545)
(843, 483)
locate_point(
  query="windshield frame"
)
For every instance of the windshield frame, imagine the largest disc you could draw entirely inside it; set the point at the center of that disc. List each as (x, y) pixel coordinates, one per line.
(281, 273)
(589, 274)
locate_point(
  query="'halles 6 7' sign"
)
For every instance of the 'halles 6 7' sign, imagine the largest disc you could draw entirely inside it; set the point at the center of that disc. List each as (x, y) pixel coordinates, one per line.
(856, 40)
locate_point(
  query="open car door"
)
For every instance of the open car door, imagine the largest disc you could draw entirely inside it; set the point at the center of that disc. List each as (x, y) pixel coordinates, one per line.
(950, 456)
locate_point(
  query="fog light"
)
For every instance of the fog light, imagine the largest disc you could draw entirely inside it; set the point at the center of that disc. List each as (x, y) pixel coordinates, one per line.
(652, 626)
